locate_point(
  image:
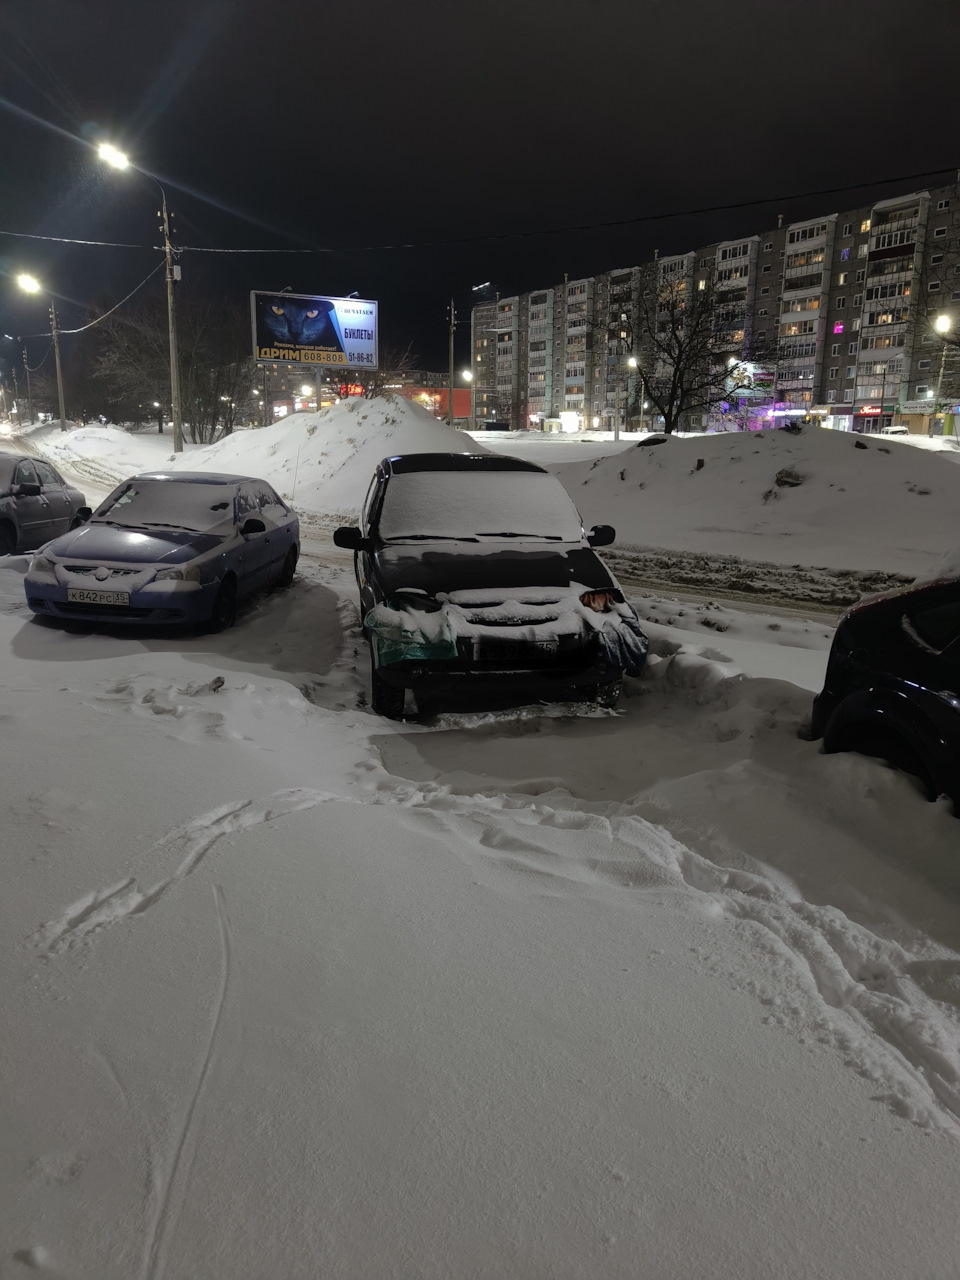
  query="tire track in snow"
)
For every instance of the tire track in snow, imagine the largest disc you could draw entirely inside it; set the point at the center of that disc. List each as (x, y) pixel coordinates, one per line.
(102, 908)
(154, 1246)
(830, 979)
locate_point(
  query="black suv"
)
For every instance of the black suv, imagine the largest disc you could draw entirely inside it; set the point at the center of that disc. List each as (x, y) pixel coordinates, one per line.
(893, 685)
(475, 574)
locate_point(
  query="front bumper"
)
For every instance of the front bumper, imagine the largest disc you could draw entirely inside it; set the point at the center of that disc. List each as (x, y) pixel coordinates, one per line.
(174, 607)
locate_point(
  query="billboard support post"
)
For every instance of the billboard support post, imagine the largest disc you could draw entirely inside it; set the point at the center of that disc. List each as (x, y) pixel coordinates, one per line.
(450, 392)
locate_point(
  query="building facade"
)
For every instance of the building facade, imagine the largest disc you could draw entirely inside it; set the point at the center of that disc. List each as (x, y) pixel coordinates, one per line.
(849, 318)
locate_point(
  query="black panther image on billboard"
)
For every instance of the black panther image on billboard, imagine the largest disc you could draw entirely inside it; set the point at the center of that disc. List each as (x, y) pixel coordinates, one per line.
(306, 329)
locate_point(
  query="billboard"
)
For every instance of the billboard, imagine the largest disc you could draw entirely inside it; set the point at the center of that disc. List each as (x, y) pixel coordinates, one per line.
(301, 328)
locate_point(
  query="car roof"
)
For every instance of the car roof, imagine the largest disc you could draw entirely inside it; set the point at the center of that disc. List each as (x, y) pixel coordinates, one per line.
(456, 462)
(196, 477)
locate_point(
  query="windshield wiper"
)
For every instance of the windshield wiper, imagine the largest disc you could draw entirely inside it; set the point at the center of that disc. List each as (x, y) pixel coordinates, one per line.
(549, 537)
(431, 537)
(167, 524)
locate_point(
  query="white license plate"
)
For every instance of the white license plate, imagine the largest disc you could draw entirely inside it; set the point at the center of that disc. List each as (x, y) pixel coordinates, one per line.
(80, 595)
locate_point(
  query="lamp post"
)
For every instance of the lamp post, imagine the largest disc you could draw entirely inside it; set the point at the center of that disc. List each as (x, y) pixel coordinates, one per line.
(118, 160)
(29, 284)
(467, 376)
(942, 324)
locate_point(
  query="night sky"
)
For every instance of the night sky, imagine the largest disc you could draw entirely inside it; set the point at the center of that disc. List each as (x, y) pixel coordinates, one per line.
(342, 126)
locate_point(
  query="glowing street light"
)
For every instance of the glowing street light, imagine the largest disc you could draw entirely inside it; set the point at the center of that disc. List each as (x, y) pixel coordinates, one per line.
(117, 159)
(30, 284)
(943, 325)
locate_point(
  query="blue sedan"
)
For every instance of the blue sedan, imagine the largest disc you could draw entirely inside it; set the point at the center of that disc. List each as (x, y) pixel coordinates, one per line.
(168, 548)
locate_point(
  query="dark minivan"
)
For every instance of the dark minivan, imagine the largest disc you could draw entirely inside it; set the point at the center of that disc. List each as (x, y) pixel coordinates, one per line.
(476, 576)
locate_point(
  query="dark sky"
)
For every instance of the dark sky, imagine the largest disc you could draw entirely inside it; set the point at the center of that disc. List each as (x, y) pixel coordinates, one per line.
(339, 126)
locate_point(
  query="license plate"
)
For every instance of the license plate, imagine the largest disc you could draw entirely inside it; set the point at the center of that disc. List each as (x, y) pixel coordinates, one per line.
(81, 595)
(495, 649)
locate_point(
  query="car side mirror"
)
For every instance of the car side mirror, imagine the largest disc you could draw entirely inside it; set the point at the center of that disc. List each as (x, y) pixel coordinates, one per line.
(601, 535)
(28, 490)
(350, 538)
(253, 525)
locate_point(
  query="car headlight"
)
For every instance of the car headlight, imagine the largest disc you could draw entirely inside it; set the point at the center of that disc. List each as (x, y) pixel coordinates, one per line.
(598, 601)
(40, 564)
(190, 574)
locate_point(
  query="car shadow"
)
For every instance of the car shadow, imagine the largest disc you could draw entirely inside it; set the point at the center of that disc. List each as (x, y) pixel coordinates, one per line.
(289, 633)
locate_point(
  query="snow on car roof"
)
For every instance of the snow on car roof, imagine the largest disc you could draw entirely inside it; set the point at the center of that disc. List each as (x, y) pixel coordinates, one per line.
(408, 462)
(477, 503)
(195, 477)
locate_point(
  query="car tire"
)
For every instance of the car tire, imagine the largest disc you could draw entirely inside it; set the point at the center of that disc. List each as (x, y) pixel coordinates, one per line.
(605, 695)
(894, 750)
(288, 570)
(386, 699)
(8, 540)
(224, 612)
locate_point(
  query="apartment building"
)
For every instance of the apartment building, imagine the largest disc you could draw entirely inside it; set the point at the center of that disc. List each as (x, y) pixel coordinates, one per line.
(833, 316)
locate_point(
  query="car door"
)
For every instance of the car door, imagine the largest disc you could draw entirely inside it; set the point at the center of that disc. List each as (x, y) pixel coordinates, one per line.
(253, 560)
(279, 535)
(32, 510)
(58, 500)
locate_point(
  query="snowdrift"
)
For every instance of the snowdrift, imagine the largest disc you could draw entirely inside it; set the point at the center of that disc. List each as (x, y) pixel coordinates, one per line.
(801, 495)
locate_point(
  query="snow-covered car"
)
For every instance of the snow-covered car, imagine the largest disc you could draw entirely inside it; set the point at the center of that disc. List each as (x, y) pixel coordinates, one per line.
(170, 548)
(892, 686)
(895, 431)
(36, 504)
(475, 574)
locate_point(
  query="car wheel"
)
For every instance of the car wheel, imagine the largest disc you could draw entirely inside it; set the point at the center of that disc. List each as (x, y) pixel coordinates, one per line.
(289, 568)
(897, 753)
(8, 540)
(604, 695)
(224, 612)
(386, 700)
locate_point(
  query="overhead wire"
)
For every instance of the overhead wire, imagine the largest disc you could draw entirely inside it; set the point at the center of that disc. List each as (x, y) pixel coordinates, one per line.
(83, 328)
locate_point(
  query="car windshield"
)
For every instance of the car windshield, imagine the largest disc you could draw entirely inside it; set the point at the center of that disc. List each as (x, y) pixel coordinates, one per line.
(473, 505)
(167, 504)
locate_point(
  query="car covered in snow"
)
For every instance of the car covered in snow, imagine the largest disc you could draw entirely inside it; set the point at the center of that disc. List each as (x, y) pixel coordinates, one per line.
(892, 687)
(476, 576)
(171, 548)
(36, 504)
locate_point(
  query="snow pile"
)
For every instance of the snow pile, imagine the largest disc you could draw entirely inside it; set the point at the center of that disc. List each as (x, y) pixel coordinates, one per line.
(793, 496)
(320, 462)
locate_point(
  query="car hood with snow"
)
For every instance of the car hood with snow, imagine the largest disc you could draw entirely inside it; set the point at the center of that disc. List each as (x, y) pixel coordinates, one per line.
(464, 565)
(100, 541)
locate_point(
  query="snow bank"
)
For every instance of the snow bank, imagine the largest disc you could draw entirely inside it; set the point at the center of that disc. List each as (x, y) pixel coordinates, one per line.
(806, 496)
(321, 462)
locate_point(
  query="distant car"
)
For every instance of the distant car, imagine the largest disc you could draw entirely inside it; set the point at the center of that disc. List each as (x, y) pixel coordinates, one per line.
(475, 574)
(892, 687)
(894, 431)
(171, 548)
(36, 504)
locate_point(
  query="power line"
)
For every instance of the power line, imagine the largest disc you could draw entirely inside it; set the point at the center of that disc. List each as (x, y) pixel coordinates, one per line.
(83, 328)
(635, 220)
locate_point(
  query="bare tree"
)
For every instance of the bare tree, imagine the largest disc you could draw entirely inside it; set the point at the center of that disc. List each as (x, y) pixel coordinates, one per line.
(691, 346)
(395, 361)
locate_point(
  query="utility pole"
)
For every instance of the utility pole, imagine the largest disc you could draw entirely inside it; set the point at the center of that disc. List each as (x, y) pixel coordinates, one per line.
(56, 355)
(453, 323)
(172, 274)
(26, 368)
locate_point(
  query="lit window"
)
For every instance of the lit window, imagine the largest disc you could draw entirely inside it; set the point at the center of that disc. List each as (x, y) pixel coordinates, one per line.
(865, 225)
(843, 277)
(844, 255)
(862, 249)
(701, 284)
(838, 327)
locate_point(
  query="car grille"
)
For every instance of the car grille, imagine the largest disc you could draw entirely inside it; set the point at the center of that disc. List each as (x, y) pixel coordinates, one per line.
(90, 570)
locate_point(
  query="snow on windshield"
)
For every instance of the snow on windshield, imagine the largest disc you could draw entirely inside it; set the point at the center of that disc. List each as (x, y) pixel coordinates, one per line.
(142, 503)
(468, 504)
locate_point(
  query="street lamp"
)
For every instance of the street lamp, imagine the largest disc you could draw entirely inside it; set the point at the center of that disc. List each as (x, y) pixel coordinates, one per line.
(29, 284)
(942, 324)
(112, 156)
(632, 364)
(467, 376)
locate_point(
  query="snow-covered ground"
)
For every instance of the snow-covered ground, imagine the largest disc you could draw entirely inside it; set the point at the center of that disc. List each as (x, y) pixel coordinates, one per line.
(290, 990)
